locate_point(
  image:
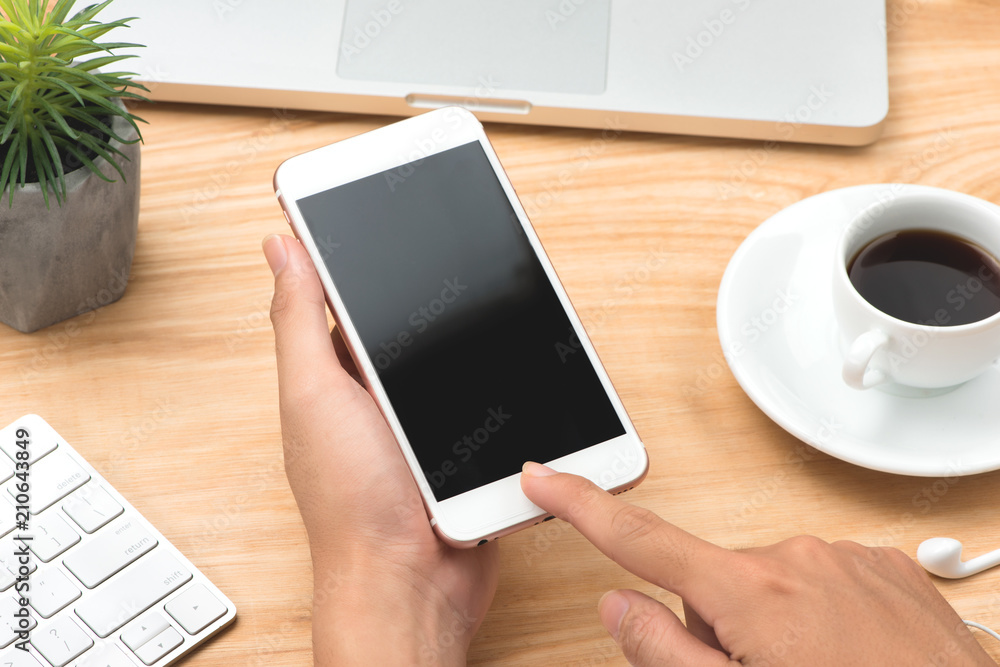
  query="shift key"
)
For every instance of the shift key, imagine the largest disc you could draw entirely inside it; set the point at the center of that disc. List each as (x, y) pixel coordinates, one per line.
(132, 592)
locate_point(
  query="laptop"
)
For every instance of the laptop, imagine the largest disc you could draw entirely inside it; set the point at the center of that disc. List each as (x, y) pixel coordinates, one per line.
(759, 69)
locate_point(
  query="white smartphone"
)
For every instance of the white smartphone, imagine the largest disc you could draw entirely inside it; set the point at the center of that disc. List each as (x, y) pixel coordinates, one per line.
(459, 327)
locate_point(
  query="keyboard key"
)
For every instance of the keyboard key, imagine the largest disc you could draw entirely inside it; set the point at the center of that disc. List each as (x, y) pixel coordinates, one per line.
(61, 641)
(51, 590)
(109, 552)
(6, 472)
(142, 629)
(91, 507)
(8, 517)
(6, 581)
(195, 609)
(11, 551)
(9, 564)
(132, 592)
(43, 439)
(108, 655)
(52, 479)
(53, 535)
(11, 617)
(18, 658)
(159, 646)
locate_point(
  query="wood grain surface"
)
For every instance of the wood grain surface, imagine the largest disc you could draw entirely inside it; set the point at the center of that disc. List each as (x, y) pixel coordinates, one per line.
(171, 392)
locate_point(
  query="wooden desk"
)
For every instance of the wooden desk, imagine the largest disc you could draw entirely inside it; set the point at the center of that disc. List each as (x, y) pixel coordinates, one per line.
(171, 392)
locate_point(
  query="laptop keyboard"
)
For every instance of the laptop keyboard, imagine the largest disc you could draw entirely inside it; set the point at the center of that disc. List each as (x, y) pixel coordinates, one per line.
(84, 579)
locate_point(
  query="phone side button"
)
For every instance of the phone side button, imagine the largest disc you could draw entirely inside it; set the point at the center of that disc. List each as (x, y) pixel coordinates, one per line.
(284, 209)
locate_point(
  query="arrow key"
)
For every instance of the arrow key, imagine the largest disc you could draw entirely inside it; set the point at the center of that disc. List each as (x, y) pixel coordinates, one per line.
(195, 609)
(144, 628)
(159, 646)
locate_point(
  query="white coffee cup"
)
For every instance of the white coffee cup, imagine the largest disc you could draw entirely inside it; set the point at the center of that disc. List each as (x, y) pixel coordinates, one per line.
(880, 348)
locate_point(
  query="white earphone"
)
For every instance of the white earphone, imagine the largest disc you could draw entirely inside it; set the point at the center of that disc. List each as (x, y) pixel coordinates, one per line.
(943, 556)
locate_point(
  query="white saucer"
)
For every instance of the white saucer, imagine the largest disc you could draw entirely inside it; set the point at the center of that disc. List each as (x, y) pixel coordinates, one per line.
(789, 362)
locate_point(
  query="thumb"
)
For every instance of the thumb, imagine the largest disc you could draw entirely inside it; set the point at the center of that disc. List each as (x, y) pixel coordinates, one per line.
(303, 347)
(648, 633)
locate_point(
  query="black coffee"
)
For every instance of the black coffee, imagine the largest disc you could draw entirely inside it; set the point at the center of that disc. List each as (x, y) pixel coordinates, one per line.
(927, 277)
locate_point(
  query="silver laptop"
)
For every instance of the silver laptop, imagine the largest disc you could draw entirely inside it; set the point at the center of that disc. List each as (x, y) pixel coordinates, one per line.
(788, 70)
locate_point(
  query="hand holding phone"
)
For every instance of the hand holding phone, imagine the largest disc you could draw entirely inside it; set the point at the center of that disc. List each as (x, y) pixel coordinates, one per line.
(386, 590)
(456, 320)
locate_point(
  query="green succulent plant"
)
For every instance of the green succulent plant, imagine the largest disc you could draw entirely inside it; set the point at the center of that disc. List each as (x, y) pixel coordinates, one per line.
(56, 105)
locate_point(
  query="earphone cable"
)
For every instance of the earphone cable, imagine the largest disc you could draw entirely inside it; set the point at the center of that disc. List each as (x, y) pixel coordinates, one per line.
(982, 627)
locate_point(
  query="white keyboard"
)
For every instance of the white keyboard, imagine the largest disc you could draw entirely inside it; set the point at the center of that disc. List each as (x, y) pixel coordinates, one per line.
(98, 585)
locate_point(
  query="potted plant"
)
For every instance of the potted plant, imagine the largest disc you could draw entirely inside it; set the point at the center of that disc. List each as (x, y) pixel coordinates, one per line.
(69, 163)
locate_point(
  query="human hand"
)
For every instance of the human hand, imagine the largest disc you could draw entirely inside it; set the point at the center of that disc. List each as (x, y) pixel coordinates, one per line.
(798, 602)
(386, 590)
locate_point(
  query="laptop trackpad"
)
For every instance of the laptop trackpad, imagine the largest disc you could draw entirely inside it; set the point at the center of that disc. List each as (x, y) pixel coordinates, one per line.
(553, 45)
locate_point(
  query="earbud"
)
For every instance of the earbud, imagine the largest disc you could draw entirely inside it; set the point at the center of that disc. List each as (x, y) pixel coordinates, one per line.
(943, 556)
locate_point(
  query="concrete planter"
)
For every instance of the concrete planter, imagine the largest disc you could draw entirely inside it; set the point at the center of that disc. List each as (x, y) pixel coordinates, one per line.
(59, 262)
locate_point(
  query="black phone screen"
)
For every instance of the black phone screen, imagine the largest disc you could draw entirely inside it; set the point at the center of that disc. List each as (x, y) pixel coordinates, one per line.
(474, 349)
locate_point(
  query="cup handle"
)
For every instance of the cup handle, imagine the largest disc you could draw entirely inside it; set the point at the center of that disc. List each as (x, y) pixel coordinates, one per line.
(857, 373)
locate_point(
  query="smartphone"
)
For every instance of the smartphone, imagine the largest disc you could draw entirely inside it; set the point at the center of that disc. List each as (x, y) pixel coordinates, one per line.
(459, 327)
